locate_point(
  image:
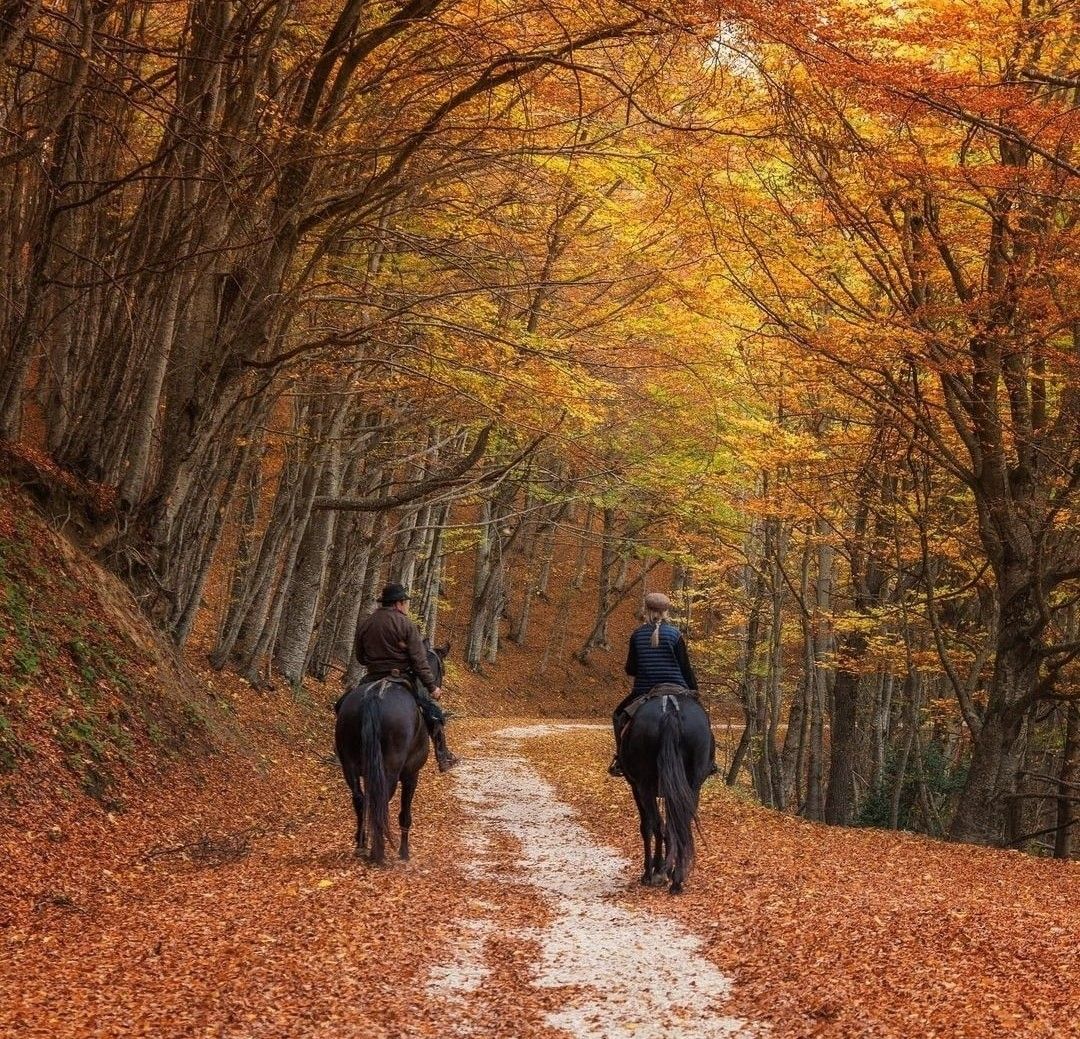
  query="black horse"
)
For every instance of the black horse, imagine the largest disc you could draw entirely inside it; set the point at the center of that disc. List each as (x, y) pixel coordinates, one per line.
(381, 740)
(666, 754)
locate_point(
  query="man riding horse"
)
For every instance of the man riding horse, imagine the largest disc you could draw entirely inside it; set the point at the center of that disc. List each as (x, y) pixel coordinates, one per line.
(657, 657)
(388, 643)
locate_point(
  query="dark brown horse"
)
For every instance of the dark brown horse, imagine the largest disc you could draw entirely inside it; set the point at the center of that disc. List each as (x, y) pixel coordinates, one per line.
(666, 754)
(381, 741)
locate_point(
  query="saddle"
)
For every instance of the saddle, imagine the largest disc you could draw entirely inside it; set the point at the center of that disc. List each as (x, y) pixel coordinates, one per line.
(376, 687)
(658, 691)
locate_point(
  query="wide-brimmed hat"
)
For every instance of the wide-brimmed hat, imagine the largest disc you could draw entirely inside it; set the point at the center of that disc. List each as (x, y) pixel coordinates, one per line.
(393, 593)
(657, 601)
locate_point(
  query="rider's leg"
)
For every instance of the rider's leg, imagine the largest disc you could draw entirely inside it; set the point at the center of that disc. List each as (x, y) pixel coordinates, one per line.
(618, 722)
(713, 767)
(435, 719)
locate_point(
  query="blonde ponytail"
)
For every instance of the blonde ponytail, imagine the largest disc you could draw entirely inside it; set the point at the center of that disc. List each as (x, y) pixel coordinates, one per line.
(655, 618)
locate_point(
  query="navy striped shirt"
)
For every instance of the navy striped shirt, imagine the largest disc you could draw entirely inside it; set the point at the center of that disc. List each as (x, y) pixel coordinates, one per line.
(652, 665)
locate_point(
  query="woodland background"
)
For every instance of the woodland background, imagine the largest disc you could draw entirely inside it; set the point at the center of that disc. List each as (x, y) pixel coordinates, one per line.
(775, 308)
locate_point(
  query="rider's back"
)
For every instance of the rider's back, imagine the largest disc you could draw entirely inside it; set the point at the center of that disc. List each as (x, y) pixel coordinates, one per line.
(382, 641)
(656, 665)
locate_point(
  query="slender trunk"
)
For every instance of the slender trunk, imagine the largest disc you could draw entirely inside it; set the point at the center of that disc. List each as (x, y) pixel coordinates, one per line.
(581, 565)
(914, 691)
(817, 650)
(840, 794)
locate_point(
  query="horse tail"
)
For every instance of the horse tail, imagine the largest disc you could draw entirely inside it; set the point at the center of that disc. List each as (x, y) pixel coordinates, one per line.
(370, 767)
(680, 812)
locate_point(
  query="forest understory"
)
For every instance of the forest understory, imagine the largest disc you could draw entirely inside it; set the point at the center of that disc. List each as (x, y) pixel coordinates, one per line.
(178, 861)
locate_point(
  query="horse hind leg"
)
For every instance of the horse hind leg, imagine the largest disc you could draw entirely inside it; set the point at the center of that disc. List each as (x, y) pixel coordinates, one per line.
(659, 875)
(678, 877)
(408, 789)
(643, 818)
(356, 789)
(653, 873)
(361, 832)
(382, 836)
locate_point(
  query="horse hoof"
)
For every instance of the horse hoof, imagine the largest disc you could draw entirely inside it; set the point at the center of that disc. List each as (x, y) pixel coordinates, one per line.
(675, 889)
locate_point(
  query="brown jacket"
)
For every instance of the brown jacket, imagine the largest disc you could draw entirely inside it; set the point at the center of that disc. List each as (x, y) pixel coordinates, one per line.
(387, 640)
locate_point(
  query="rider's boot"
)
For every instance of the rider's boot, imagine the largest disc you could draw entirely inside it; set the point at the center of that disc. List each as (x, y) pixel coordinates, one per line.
(619, 722)
(714, 769)
(444, 757)
(615, 768)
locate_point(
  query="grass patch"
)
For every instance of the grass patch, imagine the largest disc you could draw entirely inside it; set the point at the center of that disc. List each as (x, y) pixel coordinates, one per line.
(10, 747)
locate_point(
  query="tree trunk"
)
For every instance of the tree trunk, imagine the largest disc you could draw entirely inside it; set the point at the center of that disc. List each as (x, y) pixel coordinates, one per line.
(1068, 784)
(840, 794)
(981, 813)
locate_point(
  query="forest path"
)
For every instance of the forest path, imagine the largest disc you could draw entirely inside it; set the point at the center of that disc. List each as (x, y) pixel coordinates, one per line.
(229, 904)
(234, 907)
(617, 970)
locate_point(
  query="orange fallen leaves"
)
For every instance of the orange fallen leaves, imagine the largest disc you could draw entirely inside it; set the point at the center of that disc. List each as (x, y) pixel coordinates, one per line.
(841, 932)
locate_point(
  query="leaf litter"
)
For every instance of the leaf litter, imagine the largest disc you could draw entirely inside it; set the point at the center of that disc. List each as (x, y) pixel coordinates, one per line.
(253, 918)
(828, 931)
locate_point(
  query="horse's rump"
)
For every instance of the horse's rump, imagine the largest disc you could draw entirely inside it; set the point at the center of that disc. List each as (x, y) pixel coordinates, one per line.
(665, 754)
(657, 691)
(641, 737)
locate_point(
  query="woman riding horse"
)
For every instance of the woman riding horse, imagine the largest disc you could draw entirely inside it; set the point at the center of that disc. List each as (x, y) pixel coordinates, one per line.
(657, 656)
(664, 745)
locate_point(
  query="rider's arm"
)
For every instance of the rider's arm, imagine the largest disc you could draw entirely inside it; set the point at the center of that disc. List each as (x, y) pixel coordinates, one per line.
(631, 660)
(414, 646)
(682, 658)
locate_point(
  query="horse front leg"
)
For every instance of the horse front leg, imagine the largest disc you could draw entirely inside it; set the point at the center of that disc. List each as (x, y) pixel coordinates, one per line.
(643, 820)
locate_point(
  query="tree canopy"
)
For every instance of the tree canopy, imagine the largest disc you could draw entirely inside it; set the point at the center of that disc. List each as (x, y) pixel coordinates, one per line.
(779, 303)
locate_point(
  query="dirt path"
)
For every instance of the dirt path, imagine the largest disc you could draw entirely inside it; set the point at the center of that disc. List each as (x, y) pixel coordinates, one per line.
(622, 971)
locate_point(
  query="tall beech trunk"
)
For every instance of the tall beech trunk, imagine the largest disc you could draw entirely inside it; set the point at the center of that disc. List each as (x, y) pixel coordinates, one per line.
(750, 637)
(840, 793)
(1068, 811)
(980, 816)
(817, 650)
